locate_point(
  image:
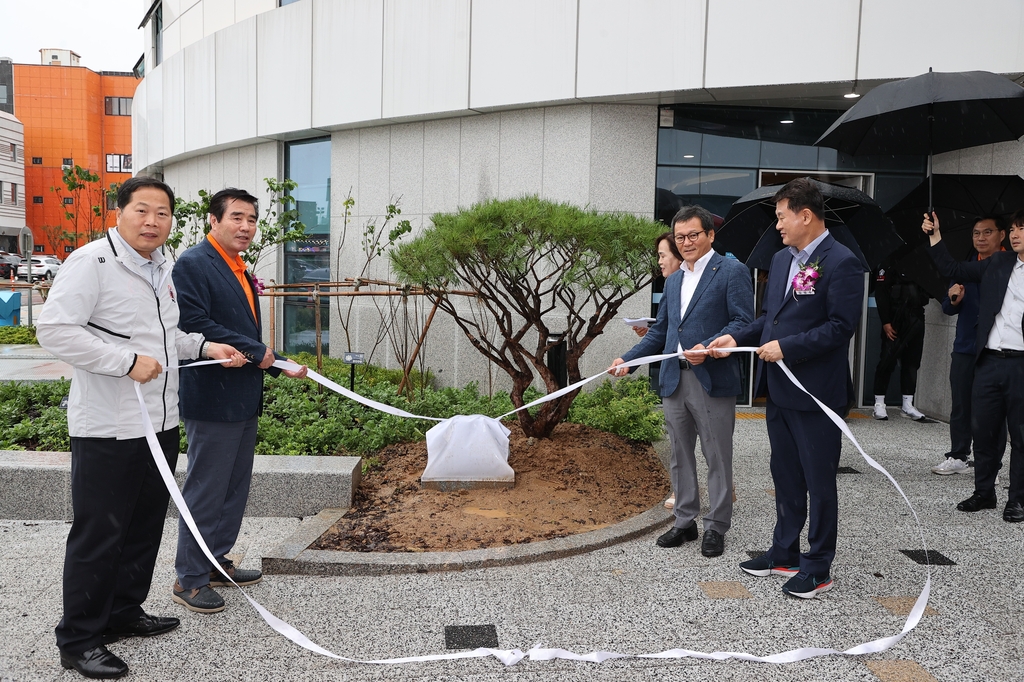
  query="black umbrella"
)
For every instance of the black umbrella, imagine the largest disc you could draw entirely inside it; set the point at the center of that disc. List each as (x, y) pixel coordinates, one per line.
(959, 201)
(853, 218)
(931, 113)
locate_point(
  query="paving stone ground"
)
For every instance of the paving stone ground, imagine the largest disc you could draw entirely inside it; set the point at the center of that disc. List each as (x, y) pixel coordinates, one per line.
(631, 598)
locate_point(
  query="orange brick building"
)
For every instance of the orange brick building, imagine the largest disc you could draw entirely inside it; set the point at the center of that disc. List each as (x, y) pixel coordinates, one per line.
(72, 116)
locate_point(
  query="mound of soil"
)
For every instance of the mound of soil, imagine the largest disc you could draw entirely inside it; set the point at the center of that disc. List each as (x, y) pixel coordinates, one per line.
(579, 480)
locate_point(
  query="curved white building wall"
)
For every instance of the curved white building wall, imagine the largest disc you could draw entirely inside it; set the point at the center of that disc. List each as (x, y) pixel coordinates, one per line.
(448, 102)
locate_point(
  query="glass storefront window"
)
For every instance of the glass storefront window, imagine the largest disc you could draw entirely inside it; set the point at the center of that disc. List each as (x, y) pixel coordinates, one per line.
(308, 163)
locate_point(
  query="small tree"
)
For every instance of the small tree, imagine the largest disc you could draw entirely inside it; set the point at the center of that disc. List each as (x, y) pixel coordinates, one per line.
(278, 223)
(87, 214)
(56, 237)
(531, 261)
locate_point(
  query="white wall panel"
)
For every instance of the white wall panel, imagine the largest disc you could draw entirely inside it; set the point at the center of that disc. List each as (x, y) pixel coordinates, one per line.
(236, 100)
(191, 25)
(217, 14)
(284, 40)
(900, 39)
(521, 153)
(140, 125)
(154, 117)
(522, 51)
(628, 46)
(200, 94)
(767, 42)
(426, 56)
(171, 10)
(348, 40)
(174, 105)
(250, 8)
(185, 5)
(172, 40)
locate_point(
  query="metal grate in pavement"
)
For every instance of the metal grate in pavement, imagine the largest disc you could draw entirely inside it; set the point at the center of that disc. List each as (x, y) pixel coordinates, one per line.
(934, 558)
(470, 636)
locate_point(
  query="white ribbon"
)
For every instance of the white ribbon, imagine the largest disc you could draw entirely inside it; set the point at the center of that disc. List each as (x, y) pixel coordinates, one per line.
(537, 653)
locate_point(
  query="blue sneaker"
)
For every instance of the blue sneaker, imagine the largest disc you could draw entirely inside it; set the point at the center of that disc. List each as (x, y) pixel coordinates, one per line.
(762, 567)
(807, 586)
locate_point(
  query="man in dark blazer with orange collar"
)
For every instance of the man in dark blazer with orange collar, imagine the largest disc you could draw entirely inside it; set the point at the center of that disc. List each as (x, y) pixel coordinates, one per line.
(997, 396)
(217, 297)
(812, 307)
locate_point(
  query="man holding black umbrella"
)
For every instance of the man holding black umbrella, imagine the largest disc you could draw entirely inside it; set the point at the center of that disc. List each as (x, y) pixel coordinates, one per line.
(987, 235)
(999, 365)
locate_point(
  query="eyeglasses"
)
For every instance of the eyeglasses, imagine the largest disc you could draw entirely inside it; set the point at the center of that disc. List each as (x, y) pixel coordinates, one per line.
(692, 237)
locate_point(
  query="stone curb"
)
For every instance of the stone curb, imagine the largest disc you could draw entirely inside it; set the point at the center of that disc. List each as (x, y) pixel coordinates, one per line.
(292, 557)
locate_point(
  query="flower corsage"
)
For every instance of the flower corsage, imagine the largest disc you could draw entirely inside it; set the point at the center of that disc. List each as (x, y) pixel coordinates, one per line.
(803, 281)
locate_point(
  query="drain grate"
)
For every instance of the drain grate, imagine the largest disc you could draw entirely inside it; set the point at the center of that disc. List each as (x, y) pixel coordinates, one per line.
(470, 636)
(755, 553)
(934, 558)
(847, 470)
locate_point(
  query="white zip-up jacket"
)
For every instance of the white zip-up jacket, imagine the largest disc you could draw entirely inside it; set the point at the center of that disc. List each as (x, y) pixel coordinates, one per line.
(100, 313)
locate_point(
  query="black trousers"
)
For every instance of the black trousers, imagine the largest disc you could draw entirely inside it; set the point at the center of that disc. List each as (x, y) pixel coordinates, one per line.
(905, 350)
(120, 503)
(804, 464)
(998, 398)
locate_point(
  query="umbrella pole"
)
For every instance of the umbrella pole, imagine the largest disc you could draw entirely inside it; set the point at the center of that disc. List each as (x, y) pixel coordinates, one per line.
(931, 121)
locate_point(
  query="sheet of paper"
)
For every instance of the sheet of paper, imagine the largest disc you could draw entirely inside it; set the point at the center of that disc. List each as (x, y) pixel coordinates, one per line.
(639, 322)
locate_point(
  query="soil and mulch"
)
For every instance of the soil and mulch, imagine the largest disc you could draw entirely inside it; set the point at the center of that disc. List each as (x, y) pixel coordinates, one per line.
(579, 480)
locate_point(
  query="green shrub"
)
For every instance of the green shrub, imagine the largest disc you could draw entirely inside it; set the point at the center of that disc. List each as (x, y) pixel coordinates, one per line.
(625, 407)
(18, 335)
(299, 419)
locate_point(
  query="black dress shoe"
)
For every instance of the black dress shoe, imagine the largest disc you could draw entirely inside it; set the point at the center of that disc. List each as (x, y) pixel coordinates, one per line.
(678, 536)
(144, 626)
(977, 502)
(1014, 512)
(97, 663)
(713, 544)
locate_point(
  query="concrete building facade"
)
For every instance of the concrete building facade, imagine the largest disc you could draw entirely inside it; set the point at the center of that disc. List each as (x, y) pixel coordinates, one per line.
(444, 103)
(12, 181)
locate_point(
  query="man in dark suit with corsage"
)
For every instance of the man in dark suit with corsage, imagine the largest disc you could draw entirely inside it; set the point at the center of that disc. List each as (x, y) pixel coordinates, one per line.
(708, 296)
(218, 299)
(998, 394)
(812, 307)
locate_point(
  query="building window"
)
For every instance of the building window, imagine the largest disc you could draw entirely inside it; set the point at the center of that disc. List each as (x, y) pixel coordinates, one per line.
(282, 3)
(38, 248)
(37, 200)
(68, 201)
(111, 201)
(14, 152)
(158, 36)
(118, 106)
(37, 161)
(14, 193)
(119, 163)
(308, 163)
(67, 163)
(68, 249)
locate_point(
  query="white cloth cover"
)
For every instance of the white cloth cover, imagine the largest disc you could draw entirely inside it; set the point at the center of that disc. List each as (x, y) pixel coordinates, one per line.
(468, 448)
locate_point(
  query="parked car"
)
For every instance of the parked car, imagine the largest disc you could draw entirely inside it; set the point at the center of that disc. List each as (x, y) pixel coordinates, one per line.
(43, 267)
(8, 262)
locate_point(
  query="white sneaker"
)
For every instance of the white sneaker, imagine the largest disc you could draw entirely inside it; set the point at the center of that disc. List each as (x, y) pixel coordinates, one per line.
(951, 466)
(670, 503)
(880, 413)
(911, 412)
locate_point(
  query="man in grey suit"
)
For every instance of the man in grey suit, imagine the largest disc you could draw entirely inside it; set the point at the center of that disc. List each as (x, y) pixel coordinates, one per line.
(709, 296)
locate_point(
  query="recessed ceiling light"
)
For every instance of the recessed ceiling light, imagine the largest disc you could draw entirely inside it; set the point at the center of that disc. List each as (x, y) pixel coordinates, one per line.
(687, 156)
(786, 120)
(851, 95)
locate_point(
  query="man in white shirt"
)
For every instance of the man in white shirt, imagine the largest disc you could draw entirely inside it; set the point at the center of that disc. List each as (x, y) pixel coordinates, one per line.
(708, 296)
(998, 393)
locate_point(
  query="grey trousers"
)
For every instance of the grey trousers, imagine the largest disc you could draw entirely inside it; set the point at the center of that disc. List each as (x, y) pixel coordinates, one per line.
(220, 456)
(691, 412)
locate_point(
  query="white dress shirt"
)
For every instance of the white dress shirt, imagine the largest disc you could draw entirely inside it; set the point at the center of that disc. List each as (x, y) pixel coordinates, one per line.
(691, 278)
(1006, 331)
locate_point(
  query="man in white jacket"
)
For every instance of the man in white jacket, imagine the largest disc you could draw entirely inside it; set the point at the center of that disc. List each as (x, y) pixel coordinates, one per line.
(113, 315)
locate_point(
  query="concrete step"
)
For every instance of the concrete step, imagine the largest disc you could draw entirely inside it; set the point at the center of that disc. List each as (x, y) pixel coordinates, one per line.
(37, 485)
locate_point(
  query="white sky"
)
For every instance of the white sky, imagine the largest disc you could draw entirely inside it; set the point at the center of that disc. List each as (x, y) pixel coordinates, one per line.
(103, 32)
